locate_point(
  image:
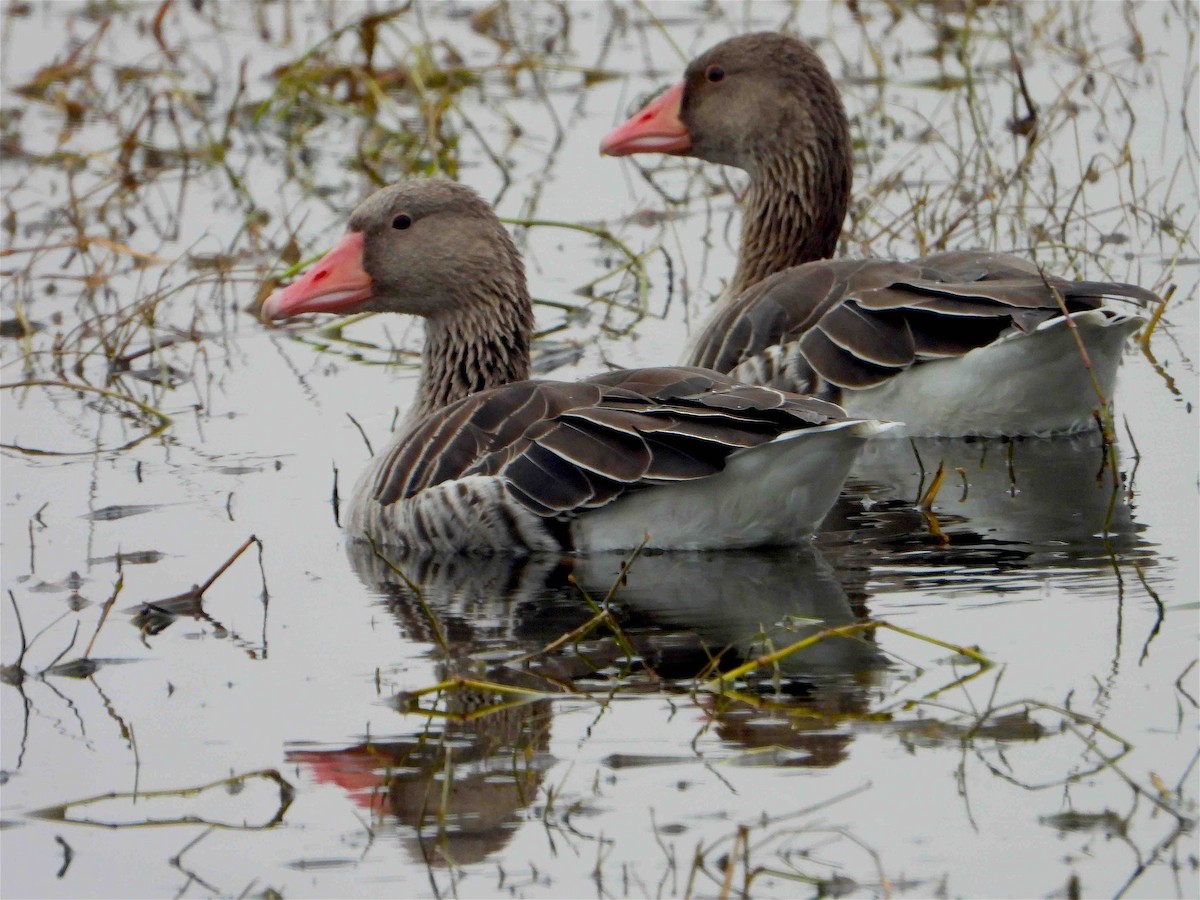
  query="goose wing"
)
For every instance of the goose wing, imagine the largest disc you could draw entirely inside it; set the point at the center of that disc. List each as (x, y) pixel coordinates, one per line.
(856, 323)
(563, 447)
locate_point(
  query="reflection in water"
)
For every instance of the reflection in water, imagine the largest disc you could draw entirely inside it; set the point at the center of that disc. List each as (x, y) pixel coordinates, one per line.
(750, 603)
(678, 615)
(458, 785)
(460, 780)
(1018, 512)
(670, 606)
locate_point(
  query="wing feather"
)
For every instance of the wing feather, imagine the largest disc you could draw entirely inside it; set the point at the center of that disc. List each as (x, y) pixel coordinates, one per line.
(564, 447)
(857, 323)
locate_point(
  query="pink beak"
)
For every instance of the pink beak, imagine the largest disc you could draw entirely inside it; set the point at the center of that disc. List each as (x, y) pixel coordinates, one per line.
(337, 284)
(657, 128)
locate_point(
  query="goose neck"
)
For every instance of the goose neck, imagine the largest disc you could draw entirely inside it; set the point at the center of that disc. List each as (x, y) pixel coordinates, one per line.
(478, 346)
(792, 214)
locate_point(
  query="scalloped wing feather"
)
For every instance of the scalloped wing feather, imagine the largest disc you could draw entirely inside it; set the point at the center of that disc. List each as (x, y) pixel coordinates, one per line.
(565, 447)
(857, 323)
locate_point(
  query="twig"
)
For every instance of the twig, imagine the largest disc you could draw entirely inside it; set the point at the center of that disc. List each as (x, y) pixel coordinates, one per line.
(930, 495)
(366, 440)
(334, 500)
(68, 855)
(108, 605)
(717, 683)
(65, 651)
(739, 842)
(1144, 340)
(434, 622)
(19, 664)
(287, 794)
(199, 592)
(1179, 683)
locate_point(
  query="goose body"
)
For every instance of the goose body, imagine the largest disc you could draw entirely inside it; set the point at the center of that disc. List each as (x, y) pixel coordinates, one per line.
(489, 461)
(957, 343)
(1023, 383)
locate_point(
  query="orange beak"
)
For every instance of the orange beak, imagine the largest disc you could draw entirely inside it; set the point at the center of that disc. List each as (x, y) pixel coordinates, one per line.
(657, 128)
(336, 284)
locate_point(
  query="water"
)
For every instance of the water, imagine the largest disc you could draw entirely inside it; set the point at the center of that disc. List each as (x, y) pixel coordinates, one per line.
(866, 764)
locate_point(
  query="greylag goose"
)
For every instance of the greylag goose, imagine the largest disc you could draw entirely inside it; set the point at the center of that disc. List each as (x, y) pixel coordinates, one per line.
(488, 461)
(953, 344)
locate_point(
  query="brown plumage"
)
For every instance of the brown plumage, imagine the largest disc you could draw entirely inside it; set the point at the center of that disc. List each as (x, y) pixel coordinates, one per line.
(853, 324)
(489, 461)
(563, 447)
(795, 319)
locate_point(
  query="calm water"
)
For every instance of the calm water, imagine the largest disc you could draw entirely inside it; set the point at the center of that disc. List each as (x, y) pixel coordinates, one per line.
(155, 168)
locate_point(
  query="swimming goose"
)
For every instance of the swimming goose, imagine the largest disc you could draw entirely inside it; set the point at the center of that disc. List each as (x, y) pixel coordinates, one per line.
(488, 461)
(957, 343)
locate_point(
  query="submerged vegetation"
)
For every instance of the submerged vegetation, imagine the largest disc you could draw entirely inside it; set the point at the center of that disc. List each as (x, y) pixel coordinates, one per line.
(166, 164)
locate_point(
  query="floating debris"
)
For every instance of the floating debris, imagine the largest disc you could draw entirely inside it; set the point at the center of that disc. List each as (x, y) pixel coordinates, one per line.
(132, 558)
(112, 513)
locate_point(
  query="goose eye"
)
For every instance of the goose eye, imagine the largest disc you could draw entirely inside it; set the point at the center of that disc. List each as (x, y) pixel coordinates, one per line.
(401, 222)
(714, 73)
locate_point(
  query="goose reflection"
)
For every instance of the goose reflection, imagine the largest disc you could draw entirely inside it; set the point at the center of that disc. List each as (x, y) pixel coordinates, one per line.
(744, 604)
(1018, 512)
(673, 607)
(460, 781)
(458, 785)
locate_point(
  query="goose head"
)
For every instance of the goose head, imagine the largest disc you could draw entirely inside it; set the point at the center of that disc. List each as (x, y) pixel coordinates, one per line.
(742, 103)
(427, 247)
(765, 103)
(434, 249)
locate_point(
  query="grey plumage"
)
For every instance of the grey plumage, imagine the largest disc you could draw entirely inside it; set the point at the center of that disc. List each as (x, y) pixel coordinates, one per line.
(795, 319)
(489, 461)
(852, 324)
(563, 447)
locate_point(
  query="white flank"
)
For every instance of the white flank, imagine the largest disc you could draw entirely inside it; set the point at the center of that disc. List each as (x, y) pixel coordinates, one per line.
(1023, 384)
(775, 493)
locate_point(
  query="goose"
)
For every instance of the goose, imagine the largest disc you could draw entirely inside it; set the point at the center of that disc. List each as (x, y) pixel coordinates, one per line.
(488, 461)
(954, 344)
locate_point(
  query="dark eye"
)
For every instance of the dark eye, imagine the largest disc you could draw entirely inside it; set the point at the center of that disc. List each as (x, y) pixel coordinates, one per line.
(714, 74)
(401, 221)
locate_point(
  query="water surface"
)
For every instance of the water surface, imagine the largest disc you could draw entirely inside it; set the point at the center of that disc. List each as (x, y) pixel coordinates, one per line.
(160, 162)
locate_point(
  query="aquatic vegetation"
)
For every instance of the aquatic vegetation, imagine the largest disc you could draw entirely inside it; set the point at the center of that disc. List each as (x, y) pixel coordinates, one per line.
(315, 720)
